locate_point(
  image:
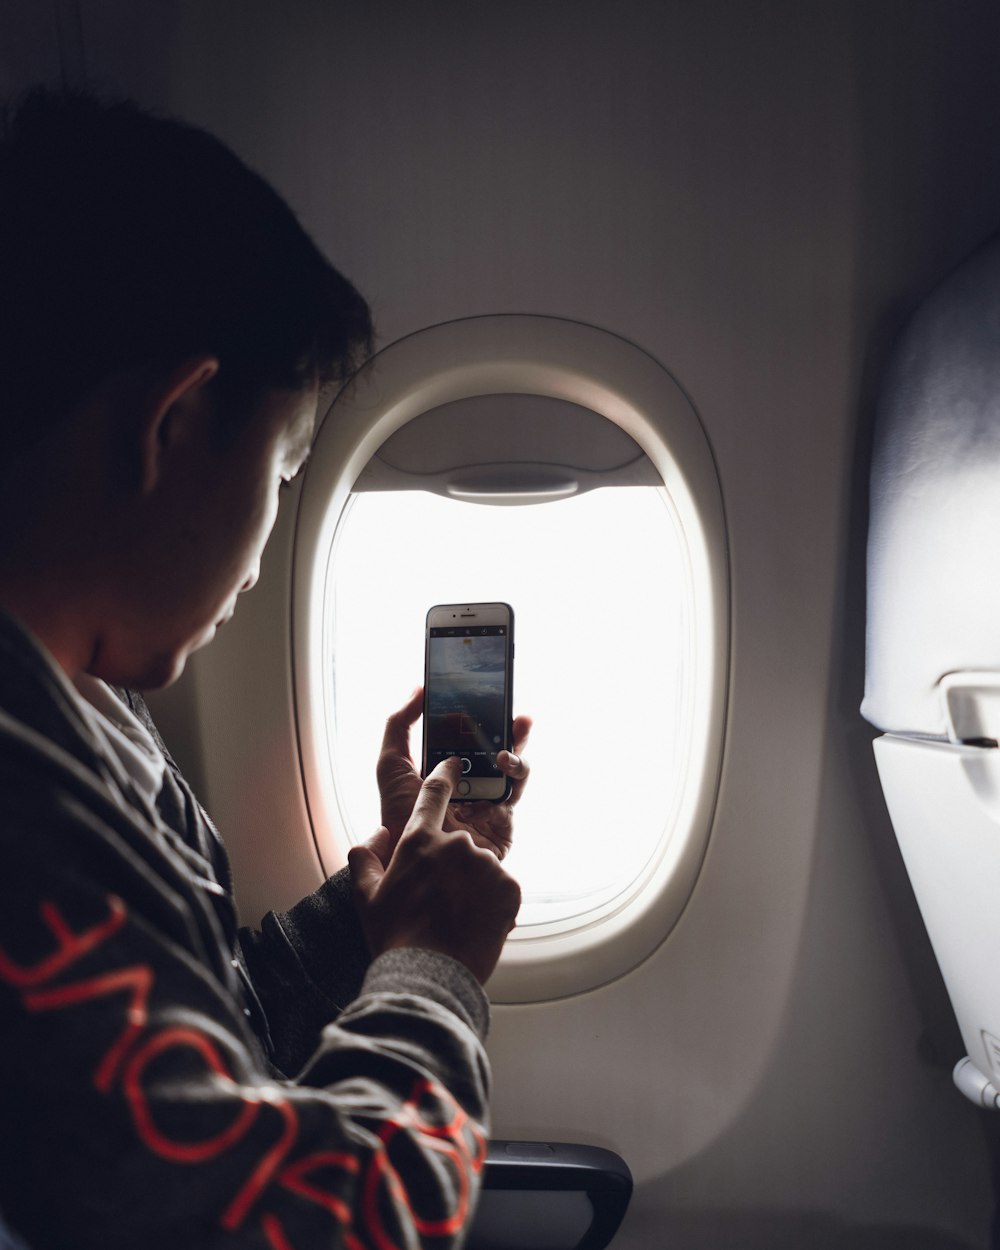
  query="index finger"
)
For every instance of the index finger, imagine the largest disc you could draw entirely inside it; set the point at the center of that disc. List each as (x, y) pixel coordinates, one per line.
(432, 799)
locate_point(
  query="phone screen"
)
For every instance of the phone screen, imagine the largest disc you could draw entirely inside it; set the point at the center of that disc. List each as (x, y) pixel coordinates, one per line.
(466, 708)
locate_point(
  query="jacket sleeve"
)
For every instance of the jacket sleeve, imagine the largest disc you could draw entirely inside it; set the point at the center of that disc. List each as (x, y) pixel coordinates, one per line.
(137, 1105)
(306, 965)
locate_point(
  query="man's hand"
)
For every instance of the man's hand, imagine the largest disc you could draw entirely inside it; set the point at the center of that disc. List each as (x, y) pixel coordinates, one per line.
(490, 825)
(440, 891)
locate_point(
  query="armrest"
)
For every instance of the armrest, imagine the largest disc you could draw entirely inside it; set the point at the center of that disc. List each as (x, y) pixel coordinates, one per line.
(550, 1196)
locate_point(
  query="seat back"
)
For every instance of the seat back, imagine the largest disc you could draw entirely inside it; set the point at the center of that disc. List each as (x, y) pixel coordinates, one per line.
(933, 641)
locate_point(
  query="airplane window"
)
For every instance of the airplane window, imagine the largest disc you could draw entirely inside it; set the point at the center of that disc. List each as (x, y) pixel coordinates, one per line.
(604, 529)
(600, 589)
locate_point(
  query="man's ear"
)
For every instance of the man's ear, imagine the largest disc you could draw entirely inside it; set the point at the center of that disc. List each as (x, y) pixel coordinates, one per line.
(173, 401)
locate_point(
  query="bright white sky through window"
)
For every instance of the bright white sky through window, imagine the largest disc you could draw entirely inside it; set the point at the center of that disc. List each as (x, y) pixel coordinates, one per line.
(600, 591)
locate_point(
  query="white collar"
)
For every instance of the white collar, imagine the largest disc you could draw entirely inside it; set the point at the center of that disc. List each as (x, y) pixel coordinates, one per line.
(123, 733)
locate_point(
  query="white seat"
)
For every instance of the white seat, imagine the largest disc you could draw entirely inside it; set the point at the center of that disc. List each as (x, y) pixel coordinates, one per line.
(933, 647)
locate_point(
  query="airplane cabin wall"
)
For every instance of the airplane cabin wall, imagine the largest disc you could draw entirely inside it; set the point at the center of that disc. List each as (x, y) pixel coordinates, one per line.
(753, 193)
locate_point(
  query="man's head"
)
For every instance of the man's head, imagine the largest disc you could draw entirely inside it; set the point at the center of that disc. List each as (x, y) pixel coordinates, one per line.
(131, 240)
(165, 324)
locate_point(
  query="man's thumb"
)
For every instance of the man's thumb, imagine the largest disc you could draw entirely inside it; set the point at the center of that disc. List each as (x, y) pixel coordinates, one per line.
(366, 870)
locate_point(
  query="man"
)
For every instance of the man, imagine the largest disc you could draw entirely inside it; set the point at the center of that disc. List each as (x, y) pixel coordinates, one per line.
(166, 328)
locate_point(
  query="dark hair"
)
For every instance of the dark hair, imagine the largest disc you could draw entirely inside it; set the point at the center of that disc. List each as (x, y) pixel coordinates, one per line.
(129, 239)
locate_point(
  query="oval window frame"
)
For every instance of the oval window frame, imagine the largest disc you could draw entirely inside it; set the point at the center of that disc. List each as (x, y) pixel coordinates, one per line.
(515, 353)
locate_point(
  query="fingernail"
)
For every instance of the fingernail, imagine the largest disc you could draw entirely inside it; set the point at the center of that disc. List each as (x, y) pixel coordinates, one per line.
(514, 759)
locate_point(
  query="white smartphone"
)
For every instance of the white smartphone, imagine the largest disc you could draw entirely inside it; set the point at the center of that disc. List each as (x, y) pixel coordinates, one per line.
(468, 694)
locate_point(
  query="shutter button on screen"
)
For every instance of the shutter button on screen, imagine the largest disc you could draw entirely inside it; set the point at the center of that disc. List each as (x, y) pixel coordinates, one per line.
(466, 764)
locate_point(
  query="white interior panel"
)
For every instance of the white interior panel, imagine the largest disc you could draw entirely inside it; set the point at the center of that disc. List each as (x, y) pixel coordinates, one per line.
(944, 801)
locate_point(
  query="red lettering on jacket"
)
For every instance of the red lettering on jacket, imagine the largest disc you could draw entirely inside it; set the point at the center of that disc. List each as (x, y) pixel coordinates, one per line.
(138, 979)
(274, 1233)
(158, 1142)
(429, 1112)
(278, 1239)
(293, 1177)
(70, 946)
(264, 1172)
(448, 1139)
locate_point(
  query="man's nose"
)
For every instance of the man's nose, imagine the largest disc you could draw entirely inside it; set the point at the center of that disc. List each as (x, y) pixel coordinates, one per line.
(252, 578)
